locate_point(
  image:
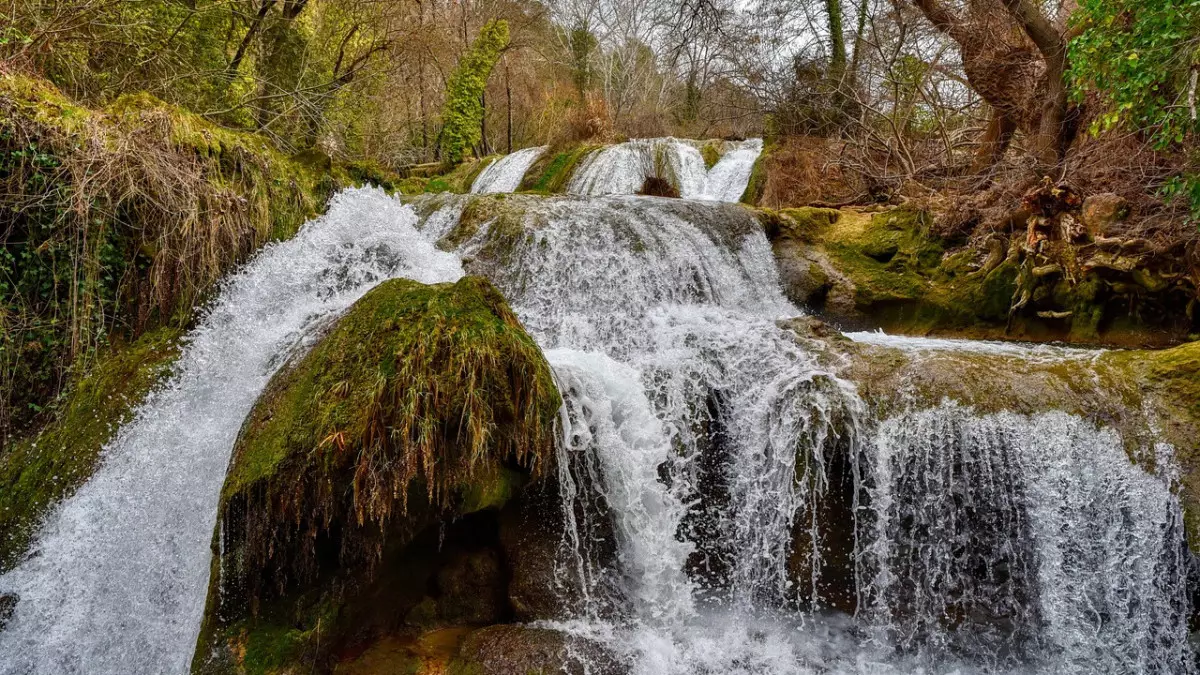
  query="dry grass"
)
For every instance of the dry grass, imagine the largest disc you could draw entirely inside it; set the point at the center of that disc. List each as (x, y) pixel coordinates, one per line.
(804, 170)
(138, 209)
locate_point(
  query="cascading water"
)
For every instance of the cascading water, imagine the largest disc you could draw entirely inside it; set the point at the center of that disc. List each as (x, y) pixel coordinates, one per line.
(715, 472)
(622, 169)
(722, 452)
(116, 580)
(1015, 540)
(505, 174)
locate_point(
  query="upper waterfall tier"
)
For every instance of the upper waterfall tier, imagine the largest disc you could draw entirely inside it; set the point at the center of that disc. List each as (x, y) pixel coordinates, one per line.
(505, 174)
(624, 168)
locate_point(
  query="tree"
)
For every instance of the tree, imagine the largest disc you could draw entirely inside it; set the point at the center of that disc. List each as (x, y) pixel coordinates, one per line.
(1015, 58)
(462, 116)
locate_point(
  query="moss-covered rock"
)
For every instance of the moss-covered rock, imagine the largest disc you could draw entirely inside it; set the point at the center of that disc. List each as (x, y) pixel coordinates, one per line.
(757, 185)
(552, 171)
(888, 269)
(423, 405)
(38, 471)
(1147, 395)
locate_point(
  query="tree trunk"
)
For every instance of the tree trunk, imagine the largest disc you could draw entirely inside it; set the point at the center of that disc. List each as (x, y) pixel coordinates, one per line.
(1005, 73)
(995, 140)
(508, 103)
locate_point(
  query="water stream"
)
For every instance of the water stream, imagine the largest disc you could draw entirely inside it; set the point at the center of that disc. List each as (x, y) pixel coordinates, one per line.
(505, 174)
(622, 169)
(734, 467)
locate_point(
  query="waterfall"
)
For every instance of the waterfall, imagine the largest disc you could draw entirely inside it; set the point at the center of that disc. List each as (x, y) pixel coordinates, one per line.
(505, 174)
(117, 578)
(622, 169)
(1018, 539)
(732, 504)
(738, 471)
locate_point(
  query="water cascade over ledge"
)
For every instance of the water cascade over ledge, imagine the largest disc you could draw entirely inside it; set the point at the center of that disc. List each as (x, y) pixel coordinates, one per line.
(622, 169)
(116, 580)
(757, 501)
(505, 174)
(763, 515)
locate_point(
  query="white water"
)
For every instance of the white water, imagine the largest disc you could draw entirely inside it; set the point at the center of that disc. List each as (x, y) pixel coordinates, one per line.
(505, 174)
(707, 438)
(698, 432)
(622, 169)
(117, 579)
(1035, 534)
(1041, 352)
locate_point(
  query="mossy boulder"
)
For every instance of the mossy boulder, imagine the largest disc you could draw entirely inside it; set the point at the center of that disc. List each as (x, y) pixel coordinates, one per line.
(362, 494)
(38, 471)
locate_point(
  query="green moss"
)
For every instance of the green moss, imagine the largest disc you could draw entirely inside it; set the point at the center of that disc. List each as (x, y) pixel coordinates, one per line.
(490, 491)
(458, 180)
(806, 223)
(175, 203)
(42, 102)
(505, 219)
(757, 184)
(421, 403)
(886, 255)
(446, 368)
(412, 185)
(371, 173)
(37, 472)
(551, 173)
(1166, 384)
(711, 152)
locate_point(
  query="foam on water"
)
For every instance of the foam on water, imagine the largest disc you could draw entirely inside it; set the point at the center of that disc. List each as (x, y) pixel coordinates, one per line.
(505, 174)
(1042, 352)
(117, 578)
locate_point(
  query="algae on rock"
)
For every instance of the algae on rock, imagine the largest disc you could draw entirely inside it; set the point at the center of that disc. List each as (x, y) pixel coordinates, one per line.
(886, 268)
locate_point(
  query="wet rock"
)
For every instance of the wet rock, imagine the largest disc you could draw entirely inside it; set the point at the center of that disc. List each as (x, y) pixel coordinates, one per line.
(334, 527)
(472, 588)
(1102, 211)
(530, 535)
(8, 606)
(509, 649)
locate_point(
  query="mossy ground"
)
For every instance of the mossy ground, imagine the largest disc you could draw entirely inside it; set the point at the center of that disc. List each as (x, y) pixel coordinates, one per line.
(422, 402)
(457, 179)
(37, 472)
(121, 220)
